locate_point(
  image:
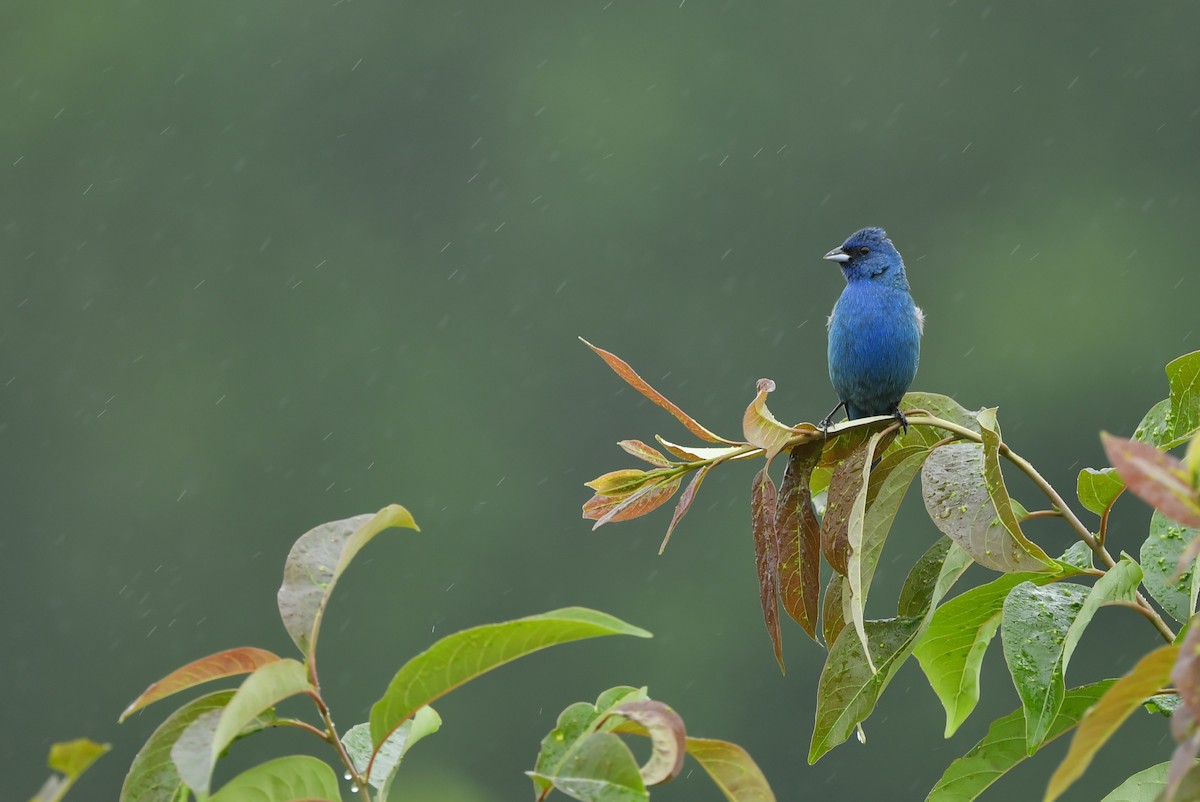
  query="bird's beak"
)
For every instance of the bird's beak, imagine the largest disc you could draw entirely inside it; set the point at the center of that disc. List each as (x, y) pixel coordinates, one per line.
(837, 255)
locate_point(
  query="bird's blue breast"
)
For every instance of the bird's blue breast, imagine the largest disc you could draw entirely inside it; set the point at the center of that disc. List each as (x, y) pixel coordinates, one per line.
(874, 347)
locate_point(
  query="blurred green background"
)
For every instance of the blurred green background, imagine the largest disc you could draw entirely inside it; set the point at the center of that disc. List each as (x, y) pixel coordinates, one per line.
(266, 264)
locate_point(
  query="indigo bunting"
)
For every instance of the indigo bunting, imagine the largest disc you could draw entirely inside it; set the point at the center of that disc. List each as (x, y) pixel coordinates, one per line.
(875, 329)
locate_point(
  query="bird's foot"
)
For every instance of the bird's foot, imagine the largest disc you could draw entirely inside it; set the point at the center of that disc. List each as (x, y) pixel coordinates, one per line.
(898, 415)
(828, 421)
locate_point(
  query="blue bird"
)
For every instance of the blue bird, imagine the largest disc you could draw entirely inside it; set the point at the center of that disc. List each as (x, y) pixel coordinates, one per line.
(875, 329)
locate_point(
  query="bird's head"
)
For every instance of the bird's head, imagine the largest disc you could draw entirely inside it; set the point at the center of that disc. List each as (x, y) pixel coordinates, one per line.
(869, 254)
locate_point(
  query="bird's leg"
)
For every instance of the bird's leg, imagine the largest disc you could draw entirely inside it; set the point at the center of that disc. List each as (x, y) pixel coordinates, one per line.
(898, 415)
(828, 421)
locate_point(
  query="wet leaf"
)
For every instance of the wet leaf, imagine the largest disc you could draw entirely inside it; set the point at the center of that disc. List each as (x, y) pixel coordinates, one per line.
(667, 734)
(799, 533)
(315, 563)
(600, 769)
(1003, 748)
(848, 689)
(916, 594)
(1157, 478)
(622, 369)
(651, 496)
(575, 722)
(685, 503)
(1102, 720)
(1155, 427)
(1097, 490)
(1160, 556)
(846, 505)
(645, 452)
(1183, 374)
(960, 491)
(459, 658)
(938, 406)
(1033, 629)
(357, 742)
(763, 505)
(152, 776)
(228, 663)
(951, 650)
(298, 777)
(759, 426)
(994, 479)
(196, 750)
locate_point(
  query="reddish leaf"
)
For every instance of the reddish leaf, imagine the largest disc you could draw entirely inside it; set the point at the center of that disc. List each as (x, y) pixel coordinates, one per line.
(685, 503)
(229, 663)
(763, 502)
(1186, 678)
(847, 483)
(644, 452)
(799, 534)
(652, 495)
(1159, 479)
(693, 453)
(622, 369)
(619, 484)
(759, 426)
(833, 610)
(667, 734)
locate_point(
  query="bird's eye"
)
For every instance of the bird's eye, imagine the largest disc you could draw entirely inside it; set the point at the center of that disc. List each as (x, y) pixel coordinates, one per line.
(863, 251)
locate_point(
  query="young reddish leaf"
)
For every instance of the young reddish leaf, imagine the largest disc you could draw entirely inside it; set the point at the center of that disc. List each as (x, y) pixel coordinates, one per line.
(759, 426)
(693, 453)
(1127, 694)
(316, 561)
(619, 484)
(229, 663)
(1186, 678)
(603, 509)
(622, 369)
(732, 769)
(667, 735)
(763, 502)
(799, 534)
(644, 452)
(846, 487)
(833, 609)
(685, 503)
(1157, 478)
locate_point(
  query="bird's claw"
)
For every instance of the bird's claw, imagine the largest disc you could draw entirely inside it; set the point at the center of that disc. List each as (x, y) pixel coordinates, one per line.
(898, 415)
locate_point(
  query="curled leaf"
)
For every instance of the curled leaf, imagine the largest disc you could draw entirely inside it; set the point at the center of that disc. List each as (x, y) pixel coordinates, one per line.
(644, 452)
(668, 737)
(695, 453)
(759, 426)
(622, 369)
(227, 663)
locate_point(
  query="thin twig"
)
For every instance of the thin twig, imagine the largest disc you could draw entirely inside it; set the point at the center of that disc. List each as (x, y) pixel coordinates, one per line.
(331, 734)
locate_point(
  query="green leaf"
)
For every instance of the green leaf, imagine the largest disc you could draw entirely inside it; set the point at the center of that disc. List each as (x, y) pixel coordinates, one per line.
(1145, 786)
(939, 406)
(71, 759)
(622, 483)
(644, 452)
(799, 533)
(1184, 376)
(1003, 747)
(955, 486)
(459, 658)
(759, 426)
(357, 742)
(1119, 585)
(574, 723)
(316, 561)
(196, 750)
(298, 777)
(1097, 490)
(732, 769)
(1033, 629)
(1157, 478)
(889, 481)
(622, 369)
(951, 651)
(1155, 427)
(763, 504)
(849, 689)
(153, 777)
(994, 479)
(600, 769)
(1102, 720)
(229, 663)
(1079, 555)
(833, 617)
(1160, 560)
